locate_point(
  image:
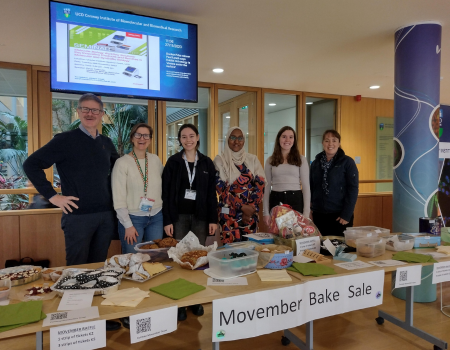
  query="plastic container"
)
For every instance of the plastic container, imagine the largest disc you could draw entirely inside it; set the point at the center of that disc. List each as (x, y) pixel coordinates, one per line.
(155, 254)
(370, 247)
(352, 234)
(232, 267)
(423, 240)
(382, 232)
(399, 242)
(6, 283)
(244, 244)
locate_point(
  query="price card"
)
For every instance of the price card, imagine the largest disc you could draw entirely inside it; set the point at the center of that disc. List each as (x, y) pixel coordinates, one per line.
(86, 336)
(153, 324)
(441, 272)
(310, 243)
(64, 317)
(408, 276)
(238, 281)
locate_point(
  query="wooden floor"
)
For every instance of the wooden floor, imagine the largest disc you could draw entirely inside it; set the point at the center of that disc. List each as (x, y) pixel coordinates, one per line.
(353, 330)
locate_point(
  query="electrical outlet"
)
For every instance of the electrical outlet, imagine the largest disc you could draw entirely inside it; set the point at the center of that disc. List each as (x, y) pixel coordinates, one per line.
(358, 160)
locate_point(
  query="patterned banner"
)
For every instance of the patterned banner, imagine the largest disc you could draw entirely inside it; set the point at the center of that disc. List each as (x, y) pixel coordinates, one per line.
(416, 125)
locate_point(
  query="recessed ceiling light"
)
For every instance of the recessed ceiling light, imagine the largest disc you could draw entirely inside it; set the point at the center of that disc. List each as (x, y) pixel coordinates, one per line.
(309, 103)
(228, 117)
(247, 133)
(180, 124)
(373, 87)
(218, 70)
(272, 104)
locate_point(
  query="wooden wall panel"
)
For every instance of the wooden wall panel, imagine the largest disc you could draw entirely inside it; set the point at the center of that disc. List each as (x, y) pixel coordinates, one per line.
(387, 212)
(367, 212)
(9, 239)
(115, 248)
(41, 237)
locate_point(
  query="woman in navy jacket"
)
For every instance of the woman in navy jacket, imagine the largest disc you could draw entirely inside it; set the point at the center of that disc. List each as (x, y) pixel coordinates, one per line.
(334, 182)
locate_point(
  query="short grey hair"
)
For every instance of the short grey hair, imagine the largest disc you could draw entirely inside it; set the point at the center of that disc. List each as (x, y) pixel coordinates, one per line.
(90, 97)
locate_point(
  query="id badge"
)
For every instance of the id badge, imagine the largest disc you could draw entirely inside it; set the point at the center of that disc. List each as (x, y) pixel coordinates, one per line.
(190, 194)
(146, 204)
(225, 210)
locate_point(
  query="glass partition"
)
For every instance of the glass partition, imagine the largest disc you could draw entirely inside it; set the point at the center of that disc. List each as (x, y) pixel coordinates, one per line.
(179, 113)
(279, 110)
(13, 137)
(320, 116)
(237, 108)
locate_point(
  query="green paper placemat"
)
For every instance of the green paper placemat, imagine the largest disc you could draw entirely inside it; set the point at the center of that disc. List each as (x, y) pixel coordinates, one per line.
(9, 327)
(316, 270)
(177, 289)
(25, 312)
(413, 257)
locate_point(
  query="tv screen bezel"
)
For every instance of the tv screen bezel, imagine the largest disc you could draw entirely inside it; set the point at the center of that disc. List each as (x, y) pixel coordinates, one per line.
(77, 92)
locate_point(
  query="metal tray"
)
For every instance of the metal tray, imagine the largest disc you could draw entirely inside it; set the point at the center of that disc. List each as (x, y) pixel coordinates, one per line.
(22, 281)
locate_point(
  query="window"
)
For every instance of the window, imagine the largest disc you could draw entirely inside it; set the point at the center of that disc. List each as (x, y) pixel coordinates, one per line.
(279, 110)
(179, 113)
(13, 138)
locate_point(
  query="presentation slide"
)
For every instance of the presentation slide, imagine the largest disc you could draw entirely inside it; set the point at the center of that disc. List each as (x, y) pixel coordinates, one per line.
(113, 53)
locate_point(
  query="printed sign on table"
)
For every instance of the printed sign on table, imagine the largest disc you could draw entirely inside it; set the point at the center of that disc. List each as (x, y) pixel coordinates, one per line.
(86, 336)
(310, 243)
(64, 317)
(264, 312)
(408, 276)
(441, 272)
(153, 324)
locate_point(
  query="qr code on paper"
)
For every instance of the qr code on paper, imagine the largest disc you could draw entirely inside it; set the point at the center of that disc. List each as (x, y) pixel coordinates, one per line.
(143, 325)
(403, 276)
(58, 316)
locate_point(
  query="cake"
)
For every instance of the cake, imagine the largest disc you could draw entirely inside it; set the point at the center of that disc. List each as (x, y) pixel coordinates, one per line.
(153, 268)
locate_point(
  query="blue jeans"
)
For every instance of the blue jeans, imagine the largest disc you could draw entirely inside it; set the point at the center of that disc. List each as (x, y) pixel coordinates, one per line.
(149, 228)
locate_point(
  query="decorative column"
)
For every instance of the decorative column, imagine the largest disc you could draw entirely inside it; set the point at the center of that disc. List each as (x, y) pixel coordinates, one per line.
(416, 124)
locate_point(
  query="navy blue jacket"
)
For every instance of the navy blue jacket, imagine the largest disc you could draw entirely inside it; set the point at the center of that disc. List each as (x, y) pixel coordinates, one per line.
(343, 182)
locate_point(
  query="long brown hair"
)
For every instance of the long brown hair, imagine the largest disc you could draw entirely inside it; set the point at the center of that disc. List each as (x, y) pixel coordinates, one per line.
(293, 157)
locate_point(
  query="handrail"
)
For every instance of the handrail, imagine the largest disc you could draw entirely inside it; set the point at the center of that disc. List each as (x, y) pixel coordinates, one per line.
(374, 181)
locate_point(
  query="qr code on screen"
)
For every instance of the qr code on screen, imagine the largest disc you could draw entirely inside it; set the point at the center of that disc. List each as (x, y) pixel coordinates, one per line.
(58, 316)
(143, 325)
(403, 276)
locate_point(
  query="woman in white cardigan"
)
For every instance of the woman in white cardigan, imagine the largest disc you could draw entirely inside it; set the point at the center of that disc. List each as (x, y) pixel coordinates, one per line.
(137, 187)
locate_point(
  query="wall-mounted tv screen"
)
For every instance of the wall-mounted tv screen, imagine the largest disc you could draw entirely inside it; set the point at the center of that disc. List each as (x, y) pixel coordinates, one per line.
(119, 54)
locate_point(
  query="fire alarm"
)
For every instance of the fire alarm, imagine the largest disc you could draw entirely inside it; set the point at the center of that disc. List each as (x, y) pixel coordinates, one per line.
(358, 98)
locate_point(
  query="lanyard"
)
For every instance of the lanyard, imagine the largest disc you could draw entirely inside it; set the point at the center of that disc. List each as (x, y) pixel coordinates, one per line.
(191, 176)
(144, 178)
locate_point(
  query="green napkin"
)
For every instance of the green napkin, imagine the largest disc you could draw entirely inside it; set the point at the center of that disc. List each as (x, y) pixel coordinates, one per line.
(7, 328)
(16, 315)
(177, 289)
(413, 257)
(307, 269)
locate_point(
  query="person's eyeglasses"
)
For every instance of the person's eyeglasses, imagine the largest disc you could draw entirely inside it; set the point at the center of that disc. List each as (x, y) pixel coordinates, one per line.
(94, 111)
(145, 136)
(234, 138)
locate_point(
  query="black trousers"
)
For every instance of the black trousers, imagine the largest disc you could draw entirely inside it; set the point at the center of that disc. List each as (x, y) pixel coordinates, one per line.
(293, 198)
(188, 222)
(327, 224)
(88, 236)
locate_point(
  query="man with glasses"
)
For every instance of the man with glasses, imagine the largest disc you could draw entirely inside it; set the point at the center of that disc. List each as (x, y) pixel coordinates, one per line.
(84, 160)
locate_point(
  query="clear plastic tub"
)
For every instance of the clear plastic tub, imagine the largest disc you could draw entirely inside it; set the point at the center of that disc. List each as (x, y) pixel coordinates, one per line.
(353, 233)
(4, 293)
(382, 232)
(399, 242)
(370, 247)
(156, 255)
(232, 267)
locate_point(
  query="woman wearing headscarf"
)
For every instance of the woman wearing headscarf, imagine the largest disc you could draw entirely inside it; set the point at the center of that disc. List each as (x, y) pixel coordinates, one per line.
(240, 181)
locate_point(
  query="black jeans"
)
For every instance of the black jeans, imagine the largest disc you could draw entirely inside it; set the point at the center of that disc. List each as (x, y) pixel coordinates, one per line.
(88, 236)
(327, 224)
(293, 198)
(188, 222)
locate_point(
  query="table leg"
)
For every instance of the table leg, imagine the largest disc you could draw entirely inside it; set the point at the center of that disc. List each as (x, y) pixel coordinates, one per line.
(408, 323)
(39, 341)
(303, 345)
(216, 345)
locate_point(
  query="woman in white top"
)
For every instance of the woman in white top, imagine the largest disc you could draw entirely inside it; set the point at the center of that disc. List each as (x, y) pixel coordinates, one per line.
(287, 176)
(137, 187)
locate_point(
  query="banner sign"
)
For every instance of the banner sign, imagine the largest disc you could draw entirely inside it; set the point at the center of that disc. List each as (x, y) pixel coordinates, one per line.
(251, 315)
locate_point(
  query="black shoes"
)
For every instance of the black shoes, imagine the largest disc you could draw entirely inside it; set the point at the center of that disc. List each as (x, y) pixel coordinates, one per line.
(182, 315)
(112, 325)
(197, 310)
(125, 322)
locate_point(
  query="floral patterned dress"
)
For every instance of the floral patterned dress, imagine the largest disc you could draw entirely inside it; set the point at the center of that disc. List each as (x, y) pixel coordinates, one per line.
(247, 189)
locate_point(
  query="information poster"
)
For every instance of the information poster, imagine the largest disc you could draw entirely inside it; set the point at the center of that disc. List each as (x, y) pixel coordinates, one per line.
(385, 149)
